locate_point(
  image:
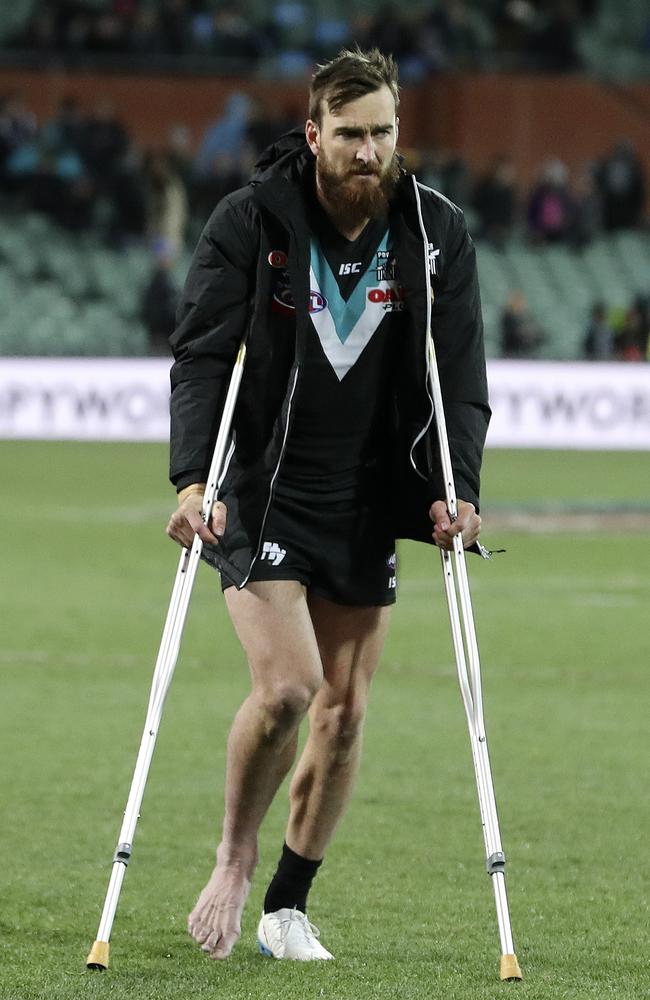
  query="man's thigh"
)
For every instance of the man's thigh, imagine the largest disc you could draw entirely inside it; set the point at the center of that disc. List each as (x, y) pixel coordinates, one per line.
(350, 642)
(275, 629)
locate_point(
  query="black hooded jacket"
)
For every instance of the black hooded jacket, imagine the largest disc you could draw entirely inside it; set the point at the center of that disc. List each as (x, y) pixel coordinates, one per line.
(228, 294)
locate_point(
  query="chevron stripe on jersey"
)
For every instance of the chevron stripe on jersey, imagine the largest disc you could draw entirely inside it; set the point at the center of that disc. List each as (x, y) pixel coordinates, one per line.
(344, 328)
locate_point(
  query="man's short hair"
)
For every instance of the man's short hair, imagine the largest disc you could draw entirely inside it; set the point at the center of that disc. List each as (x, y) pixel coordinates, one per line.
(352, 74)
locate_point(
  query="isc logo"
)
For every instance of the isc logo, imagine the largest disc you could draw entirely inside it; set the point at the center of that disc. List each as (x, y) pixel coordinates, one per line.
(350, 268)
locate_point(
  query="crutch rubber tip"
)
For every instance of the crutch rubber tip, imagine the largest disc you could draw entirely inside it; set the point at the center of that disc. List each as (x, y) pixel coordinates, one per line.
(98, 955)
(510, 967)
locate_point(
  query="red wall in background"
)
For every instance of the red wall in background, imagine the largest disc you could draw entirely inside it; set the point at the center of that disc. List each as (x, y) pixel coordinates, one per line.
(477, 116)
(535, 117)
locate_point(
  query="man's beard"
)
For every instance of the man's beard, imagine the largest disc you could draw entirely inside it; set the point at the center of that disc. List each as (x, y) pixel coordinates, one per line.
(353, 200)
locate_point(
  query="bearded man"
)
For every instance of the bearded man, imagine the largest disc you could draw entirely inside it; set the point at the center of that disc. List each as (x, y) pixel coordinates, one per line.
(333, 262)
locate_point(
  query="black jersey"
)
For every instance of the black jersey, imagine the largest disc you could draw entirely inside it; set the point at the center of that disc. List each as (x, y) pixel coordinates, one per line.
(340, 411)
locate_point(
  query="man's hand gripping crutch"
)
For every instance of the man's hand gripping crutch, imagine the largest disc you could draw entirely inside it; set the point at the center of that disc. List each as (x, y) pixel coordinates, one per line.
(457, 527)
(195, 526)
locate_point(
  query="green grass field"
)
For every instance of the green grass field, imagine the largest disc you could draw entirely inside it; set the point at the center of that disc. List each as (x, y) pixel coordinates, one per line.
(403, 900)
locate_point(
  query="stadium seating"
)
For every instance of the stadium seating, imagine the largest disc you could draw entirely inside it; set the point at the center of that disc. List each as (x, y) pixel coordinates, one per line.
(71, 295)
(612, 43)
(561, 285)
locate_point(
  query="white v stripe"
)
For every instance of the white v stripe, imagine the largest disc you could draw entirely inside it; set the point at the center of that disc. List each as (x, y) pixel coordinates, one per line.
(342, 356)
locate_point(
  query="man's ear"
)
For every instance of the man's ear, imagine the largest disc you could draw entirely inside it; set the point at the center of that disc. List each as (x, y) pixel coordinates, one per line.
(312, 135)
(396, 129)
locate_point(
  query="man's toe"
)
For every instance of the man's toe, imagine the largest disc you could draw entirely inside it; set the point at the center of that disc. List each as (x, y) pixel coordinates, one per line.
(211, 942)
(200, 933)
(224, 946)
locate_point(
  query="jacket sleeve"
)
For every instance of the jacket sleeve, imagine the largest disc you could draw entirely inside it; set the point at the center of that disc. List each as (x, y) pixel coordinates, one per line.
(211, 319)
(457, 326)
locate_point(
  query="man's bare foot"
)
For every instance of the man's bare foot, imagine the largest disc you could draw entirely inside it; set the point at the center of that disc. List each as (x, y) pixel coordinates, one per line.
(215, 921)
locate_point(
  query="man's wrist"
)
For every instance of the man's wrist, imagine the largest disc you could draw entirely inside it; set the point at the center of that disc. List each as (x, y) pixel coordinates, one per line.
(187, 491)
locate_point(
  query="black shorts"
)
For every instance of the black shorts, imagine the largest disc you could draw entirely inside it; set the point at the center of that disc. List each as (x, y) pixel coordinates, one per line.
(342, 551)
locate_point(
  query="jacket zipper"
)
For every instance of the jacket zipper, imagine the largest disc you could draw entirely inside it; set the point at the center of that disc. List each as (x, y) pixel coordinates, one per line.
(425, 244)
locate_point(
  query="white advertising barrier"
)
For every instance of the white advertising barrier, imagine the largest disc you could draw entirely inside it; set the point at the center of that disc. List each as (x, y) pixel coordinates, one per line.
(94, 399)
(546, 404)
(535, 404)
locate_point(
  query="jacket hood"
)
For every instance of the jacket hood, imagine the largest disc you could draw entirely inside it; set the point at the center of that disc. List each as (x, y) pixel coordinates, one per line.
(282, 156)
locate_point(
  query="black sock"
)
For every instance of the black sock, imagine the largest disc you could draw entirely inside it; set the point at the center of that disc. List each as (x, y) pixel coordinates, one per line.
(291, 883)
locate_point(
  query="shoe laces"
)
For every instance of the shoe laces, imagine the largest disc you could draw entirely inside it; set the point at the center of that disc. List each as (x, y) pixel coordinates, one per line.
(306, 926)
(298, 919)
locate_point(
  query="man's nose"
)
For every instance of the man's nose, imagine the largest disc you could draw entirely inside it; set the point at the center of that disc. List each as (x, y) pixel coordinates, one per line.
(366, 151)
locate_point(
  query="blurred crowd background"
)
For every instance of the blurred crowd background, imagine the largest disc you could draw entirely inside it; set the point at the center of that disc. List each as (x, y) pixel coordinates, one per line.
(97, 224)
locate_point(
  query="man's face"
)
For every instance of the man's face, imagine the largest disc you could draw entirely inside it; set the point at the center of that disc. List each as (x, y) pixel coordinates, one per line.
(356, 167)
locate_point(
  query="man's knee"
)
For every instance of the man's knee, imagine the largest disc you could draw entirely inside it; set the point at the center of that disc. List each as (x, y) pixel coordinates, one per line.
(282, 707)
(339, 727)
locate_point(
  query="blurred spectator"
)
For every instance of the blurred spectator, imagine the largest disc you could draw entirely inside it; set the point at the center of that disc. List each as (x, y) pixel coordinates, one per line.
(632, 339)
(586, 210)
(178, 150)
(175, 20)
(332, 32)
(552, 46)
(225, 138)
(287, 35)
(105, 142)
(108, 32)
(598, 343)
(18, 125)
(521, 334)
(549, 205)
(267, 121)
(166, 208)
(495, 201)
(451, 38)
(622, 185)
(514, 22)
(226, 174)
(61, 189)
(158, 306)
(124, 191)
(40, 31)
(388, 29)
(147, 33)
(235, 36)
(446, 172)
(65, 133)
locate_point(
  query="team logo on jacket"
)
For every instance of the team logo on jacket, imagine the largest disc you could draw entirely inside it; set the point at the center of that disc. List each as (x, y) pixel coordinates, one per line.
(277, 258)
(434, 254)
(386, 266)
(282, 301)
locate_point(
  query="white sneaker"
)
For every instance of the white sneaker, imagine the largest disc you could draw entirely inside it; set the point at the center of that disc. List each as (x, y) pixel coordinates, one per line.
(288, 934)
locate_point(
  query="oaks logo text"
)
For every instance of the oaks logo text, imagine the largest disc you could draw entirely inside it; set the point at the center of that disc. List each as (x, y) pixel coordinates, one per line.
(391, 298)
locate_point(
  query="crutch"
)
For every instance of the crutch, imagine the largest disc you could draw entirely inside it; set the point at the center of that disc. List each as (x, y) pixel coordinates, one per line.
(468, 666)
(163, 672)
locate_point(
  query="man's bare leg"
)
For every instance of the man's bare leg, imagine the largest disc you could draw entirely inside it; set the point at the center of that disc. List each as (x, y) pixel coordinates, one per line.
(350, 641)
(274, 626)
